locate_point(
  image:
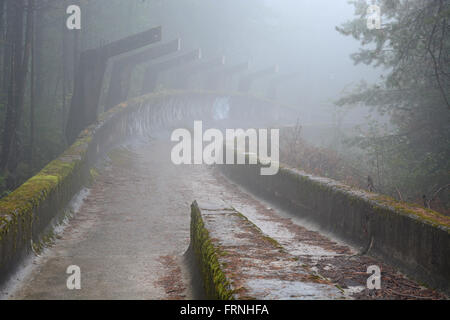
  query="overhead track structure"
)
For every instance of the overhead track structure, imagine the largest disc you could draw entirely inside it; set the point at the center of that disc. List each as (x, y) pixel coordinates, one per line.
(185, 74)
(218, 79)
(152, 73)
(276, 82)
(119, 85)
(246, 82)
(89, 78)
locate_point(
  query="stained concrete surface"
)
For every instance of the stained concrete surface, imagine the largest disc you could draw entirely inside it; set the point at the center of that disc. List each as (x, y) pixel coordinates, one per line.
(132, 229)
(128, 237)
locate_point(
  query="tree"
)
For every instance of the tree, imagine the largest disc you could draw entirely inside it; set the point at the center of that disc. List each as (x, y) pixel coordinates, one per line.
(413, 45)
(20, 53)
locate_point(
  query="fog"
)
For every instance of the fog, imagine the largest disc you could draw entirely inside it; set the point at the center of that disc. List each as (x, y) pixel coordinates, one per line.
(303, 38)
(224, 149)
(298, 36)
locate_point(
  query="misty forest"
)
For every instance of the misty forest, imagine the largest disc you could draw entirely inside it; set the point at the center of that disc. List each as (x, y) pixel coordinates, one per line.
(367, 93)
(384, 126)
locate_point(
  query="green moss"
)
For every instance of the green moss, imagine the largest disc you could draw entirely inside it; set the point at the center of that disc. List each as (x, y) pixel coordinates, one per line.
(425, 215)
(340, 288)
(216, 284)
(120, 156)
(17, 210)
(93, 175)
(273, 242)
(356, 197)
(29, 195)
(223, 253)
(45, 242)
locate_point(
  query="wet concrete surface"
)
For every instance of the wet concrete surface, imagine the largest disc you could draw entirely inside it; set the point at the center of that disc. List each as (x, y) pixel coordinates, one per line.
(128, 237)
(257, 266)
(132, 230)
(326, 256)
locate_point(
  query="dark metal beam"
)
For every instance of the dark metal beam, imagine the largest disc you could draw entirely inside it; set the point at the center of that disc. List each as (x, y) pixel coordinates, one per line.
(89, 79)
(119, 85)
(133, 42)
(153, 71)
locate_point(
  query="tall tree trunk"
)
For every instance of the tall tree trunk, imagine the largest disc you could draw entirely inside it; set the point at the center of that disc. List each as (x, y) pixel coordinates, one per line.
(15, 39)
(8, 47)
(21, 63)
(38, 56)
(2, 43)
(64, 74)
(21, 85)
(32, 90)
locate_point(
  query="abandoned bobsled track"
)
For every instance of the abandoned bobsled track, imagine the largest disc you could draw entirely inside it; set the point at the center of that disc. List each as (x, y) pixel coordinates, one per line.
(147, 229)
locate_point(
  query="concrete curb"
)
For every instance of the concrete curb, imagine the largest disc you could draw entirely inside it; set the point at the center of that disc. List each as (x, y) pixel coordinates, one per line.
(215, 283)
(238, 261)
(26, 214)
(414, 239)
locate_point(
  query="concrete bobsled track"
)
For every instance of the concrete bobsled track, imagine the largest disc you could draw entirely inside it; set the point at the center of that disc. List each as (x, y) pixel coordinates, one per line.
(140, 227)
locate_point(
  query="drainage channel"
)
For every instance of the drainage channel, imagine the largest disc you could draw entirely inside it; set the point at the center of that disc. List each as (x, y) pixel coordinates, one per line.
(130, 235)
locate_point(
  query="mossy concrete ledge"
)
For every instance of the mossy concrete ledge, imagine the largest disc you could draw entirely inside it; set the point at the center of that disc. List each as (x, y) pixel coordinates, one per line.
(414, 239)
(26, 215)
(238, 261)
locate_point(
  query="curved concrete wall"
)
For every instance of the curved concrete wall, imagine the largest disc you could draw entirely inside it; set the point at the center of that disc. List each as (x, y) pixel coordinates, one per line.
(415, 239)
(26, 214)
